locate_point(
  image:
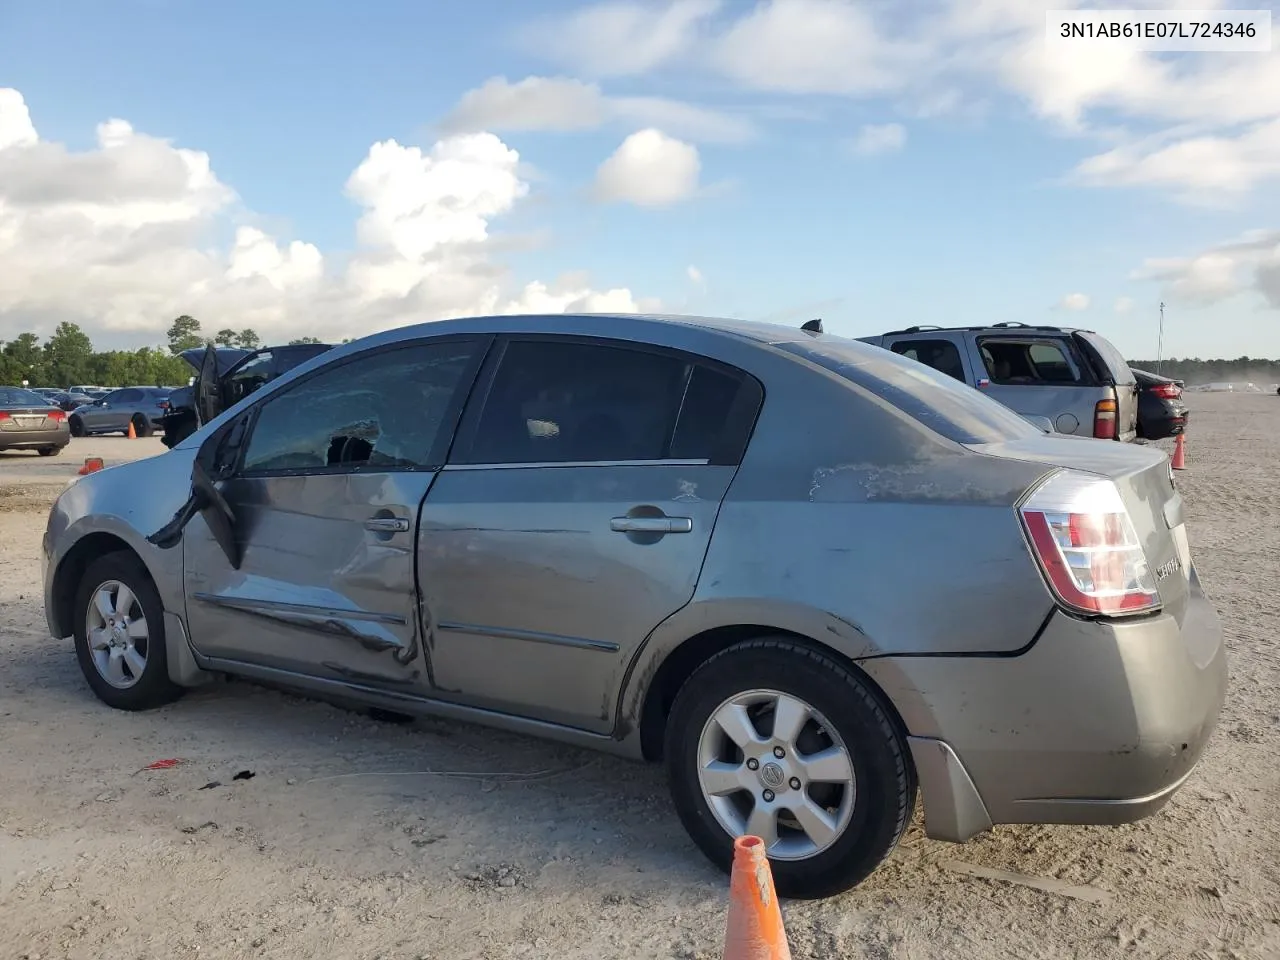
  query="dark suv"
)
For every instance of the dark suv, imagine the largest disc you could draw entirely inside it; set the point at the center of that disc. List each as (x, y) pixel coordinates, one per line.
(224, 375)
(1074, 379)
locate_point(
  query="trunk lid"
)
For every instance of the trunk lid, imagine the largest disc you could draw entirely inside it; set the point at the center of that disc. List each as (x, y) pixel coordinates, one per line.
(27, 418)
(1145, 480)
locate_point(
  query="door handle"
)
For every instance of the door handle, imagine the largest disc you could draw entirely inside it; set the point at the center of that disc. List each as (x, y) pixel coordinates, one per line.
(651, 525)
(387, 524)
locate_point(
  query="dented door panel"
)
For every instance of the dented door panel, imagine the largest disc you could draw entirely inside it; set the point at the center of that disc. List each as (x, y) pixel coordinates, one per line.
(321, 589)
(540, 582)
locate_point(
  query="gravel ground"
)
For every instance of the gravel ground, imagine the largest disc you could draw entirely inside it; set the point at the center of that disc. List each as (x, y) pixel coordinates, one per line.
(355, 838)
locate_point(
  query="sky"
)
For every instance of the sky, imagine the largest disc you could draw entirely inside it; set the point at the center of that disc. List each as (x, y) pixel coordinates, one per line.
(334, 169)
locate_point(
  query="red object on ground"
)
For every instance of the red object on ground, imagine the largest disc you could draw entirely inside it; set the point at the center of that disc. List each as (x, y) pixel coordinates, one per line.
(1179, 453)
(163, 764)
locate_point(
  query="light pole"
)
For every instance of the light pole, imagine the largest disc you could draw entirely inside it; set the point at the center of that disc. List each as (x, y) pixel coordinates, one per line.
(1160, 342)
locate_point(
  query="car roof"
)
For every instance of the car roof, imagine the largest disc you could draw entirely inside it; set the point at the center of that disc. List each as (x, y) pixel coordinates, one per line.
(627, 326)
(1013, 328)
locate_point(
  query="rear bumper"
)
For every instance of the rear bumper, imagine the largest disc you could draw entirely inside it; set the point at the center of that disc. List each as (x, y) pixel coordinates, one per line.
(33, 439)
(1098, 723)
(1171, 422)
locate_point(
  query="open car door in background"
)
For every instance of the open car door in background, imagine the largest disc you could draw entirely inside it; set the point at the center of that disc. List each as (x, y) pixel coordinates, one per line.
(208, 387)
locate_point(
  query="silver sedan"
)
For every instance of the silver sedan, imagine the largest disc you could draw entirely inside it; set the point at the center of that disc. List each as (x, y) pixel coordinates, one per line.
(807, 574)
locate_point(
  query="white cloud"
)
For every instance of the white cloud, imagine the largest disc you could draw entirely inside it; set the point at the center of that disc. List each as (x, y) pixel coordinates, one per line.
(810, 46)
(649, 169)
(572, 293)
(621, 37)
(1251, 262)
(1201, 169)
(1123, 305)
(563, 104)
(122, 238)
(695, 276)
(875, 139)
(1075, 302)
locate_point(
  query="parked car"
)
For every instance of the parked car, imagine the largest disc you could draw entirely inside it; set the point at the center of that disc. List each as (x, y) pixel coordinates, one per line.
(67, 401)
(1162, 412)
(1075, 378)
(805, 573)
(29, 421)
(140, 407)
(224, 376)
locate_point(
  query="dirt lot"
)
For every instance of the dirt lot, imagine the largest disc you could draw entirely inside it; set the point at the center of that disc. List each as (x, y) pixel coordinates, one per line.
(362, 839)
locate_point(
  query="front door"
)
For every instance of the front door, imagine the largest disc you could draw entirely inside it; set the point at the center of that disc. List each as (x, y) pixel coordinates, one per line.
(326, 496)
(573, 518)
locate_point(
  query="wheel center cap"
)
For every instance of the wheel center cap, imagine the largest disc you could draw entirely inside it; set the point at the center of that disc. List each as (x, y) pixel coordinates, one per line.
(771, 775)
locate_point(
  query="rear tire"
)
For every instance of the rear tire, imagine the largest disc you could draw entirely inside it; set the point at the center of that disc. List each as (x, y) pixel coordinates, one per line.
(141, 426)
(49, 451)
(119, 679)
(858, 808)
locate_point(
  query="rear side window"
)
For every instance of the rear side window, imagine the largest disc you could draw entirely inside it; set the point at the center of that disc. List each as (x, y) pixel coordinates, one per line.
(383, 411)
(124, 396)
(1027, 362)
(574, 402)
(952, 409)
(942, 355)
(252, 374)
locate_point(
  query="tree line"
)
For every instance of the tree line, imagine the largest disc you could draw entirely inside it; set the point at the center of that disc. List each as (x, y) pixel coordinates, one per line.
(68, 357)
(1194, 371)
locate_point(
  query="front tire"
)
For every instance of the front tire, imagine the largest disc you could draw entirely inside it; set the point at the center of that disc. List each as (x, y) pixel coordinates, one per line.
(773, 738)
(77, 427)
(119, 635)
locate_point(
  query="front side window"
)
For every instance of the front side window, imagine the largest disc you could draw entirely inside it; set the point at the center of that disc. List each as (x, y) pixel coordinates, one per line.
(383, 411)
(573, 402)
(123, 397)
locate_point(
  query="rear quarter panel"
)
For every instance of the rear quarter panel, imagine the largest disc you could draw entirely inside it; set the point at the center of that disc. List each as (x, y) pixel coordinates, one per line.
(852, 524)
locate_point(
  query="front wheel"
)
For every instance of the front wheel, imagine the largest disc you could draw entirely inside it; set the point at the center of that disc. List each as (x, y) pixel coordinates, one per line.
(77, 426)
(775, 739)
(119, 635)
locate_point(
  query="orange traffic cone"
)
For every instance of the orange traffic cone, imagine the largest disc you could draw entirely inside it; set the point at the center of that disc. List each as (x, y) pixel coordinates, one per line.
(754, 928)
(1179, 453)
(91, 465)
(133, 434)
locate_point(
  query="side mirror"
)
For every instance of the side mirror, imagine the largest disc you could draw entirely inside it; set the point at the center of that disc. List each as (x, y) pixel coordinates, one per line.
(209, 466)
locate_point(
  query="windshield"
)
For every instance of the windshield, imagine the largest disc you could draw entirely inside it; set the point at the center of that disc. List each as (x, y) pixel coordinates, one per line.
(940, 402)
(17, 397)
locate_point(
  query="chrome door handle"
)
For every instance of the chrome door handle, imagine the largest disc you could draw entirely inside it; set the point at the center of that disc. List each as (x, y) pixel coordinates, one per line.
(651, 525)
(387, 525)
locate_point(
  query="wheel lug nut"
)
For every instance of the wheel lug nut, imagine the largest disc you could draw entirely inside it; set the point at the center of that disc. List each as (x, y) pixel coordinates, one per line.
(779, 752)
(795, 783)
(753, 764)
(768, 796)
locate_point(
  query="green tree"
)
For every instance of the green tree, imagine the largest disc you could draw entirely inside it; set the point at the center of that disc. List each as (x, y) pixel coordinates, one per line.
(184, 334)
(23, 360)
(305, 340)
(247, 339)
(225, 338)
(68, 354)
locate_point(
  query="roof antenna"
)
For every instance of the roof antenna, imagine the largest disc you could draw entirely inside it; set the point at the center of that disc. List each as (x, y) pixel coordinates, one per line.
(813, 326)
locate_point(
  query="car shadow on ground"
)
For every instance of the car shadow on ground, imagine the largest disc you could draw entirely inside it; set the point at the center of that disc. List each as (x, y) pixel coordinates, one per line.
(383, 793)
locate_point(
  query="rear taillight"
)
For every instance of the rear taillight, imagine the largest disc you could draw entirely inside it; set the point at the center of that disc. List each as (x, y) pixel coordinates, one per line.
(1087, 547)
(1104, 420)
(4, 414)
(57, 416)
(1167, 391)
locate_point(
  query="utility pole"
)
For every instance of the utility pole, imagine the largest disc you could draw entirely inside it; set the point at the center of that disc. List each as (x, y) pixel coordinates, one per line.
(1160, 342)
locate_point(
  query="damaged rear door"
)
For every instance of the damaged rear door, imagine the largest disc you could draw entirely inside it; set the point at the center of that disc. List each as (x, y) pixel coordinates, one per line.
(324, 499)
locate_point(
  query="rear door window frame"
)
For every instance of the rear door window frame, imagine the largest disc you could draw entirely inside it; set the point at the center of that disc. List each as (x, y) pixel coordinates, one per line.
(937, 336)
(736, 436)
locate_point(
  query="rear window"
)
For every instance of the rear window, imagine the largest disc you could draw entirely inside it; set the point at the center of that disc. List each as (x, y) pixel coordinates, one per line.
(943, 404)
(17, 397)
